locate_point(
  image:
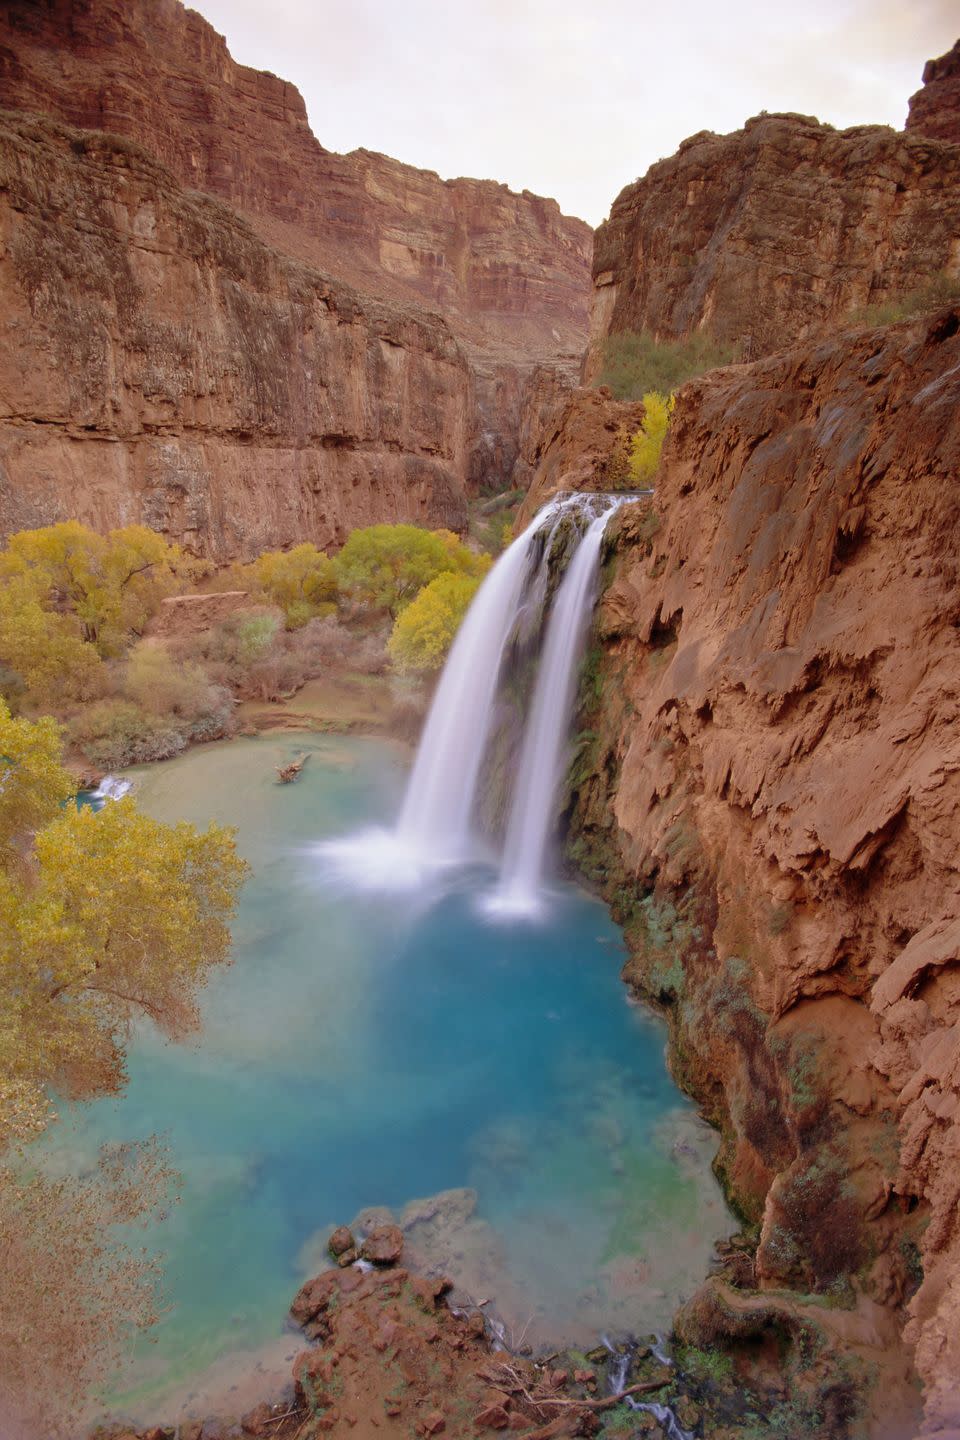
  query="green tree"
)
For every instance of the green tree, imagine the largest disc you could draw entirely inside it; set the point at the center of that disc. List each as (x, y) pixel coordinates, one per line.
(646, 444)
(386, 565)
(301, 581)
(423, 632)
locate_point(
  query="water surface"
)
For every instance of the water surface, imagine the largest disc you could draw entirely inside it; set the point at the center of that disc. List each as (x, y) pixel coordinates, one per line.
(364, 1052)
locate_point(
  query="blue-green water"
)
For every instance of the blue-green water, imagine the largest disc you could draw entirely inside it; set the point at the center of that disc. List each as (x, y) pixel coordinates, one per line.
(370, 1053)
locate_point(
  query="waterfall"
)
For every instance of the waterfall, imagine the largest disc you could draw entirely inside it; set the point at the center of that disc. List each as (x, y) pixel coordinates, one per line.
(435, 819)
(433, 829)
(541, 759)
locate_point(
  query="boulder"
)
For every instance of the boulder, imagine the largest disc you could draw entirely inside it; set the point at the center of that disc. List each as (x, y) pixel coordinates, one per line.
(384, 1245)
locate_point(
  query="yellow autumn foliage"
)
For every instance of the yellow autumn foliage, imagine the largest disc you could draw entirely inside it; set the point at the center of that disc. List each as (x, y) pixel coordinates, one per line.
(423, 632)
(646, 444)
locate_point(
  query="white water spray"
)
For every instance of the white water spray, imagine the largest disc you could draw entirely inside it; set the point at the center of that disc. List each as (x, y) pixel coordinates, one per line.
(434, 829)
(435, 819)
(541, 758)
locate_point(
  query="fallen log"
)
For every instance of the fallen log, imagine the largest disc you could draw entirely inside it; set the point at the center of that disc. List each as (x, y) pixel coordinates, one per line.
(286, 773)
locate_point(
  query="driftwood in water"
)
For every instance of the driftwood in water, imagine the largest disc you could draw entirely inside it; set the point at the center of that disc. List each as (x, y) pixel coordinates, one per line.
(286, 773)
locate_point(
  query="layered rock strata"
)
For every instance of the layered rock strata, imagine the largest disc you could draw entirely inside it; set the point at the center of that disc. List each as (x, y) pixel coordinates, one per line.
(773, 805)
(508, 271)
(776, 232)
(160, 364)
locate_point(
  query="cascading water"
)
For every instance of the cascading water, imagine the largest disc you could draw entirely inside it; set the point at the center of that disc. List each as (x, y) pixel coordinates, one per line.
(435, 819)
(433, 829)
(541, 757)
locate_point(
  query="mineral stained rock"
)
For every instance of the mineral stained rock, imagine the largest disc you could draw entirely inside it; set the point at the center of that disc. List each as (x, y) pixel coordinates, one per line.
(779, 739)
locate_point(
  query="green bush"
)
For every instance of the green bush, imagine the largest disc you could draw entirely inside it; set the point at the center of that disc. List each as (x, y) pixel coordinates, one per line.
(117, 733)
(387, 565)
(943, 289)
(634, 362)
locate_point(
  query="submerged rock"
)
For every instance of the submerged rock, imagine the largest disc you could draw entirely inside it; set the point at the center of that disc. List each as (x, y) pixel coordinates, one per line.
(384, 1245)
(340, 1241)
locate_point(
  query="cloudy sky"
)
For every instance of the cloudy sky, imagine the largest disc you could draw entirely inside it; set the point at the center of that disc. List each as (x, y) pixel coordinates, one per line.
(575, 100)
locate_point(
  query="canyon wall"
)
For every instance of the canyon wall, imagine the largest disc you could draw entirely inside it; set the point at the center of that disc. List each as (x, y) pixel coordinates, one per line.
(935, 109)
(776, 232)
(771, 799)
(508, 272)
(160, 364)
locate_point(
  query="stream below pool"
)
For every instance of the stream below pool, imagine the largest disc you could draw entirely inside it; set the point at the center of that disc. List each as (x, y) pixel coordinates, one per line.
(366, 1051)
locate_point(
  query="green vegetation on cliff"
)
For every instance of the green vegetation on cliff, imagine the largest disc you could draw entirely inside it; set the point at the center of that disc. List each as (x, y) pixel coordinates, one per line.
(635, 362)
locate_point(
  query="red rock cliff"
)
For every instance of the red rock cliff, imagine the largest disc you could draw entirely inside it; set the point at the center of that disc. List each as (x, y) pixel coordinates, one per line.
(935, 109)
(160, 363)
(510, 264)
(775, 232)
(775, 800)
(507, 270)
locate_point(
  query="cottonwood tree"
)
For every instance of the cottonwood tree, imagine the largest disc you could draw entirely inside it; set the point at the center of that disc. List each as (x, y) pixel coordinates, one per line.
(105, 919)
(424, 631)
(387, 565)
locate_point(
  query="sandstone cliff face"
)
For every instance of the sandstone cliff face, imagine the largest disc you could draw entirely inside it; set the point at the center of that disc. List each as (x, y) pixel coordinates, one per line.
(773, 797)
(935, 110)
(159, 363)
(508, 271)
(775, 232)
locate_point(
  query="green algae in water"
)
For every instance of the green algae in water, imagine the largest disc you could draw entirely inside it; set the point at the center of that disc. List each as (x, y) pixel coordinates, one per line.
(366, 1053)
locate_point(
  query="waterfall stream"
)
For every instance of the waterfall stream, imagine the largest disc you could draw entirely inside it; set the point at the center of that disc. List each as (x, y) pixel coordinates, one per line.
(541, 758)
(435, 819)
(436, 826)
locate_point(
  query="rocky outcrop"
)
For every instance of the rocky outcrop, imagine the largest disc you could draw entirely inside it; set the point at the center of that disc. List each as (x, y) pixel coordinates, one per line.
(159, 363)
(935, 109)
(508, 271)
(773, 805)
(776, 232)
(582, 443)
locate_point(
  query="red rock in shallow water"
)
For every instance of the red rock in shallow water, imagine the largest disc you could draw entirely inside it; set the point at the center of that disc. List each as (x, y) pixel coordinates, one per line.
(384, 1245)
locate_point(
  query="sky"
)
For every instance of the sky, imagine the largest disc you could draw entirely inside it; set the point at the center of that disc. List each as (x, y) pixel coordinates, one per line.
(577, 100)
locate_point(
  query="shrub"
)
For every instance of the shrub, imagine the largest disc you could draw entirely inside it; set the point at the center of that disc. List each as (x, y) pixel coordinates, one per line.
(162, 686)
(636, 362)
(424, 631)
(117, 733)
(943, 289)
(387, 565)
(301, 581)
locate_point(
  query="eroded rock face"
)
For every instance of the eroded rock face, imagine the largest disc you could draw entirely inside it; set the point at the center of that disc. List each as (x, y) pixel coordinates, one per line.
(935, 109)
(507, 270)
(160, 364)
(775, 232)
(777, 786)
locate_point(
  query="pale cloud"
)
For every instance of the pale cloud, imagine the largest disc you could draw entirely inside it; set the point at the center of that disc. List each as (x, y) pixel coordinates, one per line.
(576, 100)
